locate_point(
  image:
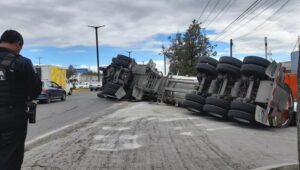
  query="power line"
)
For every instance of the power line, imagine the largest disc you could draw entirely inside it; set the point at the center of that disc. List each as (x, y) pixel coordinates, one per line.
(253, 5)
(211, 11)
(208, 1)
(251, 19)
(261, 24)
(220, 12)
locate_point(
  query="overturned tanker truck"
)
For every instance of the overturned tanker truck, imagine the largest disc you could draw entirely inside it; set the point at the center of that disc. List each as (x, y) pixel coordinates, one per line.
(250, 91)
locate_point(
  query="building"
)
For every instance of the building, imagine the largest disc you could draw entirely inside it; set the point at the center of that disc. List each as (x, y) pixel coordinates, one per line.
(83, 76)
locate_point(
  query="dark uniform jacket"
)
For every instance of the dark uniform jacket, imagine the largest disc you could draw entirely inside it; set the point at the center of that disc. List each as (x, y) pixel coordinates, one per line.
(27, 84)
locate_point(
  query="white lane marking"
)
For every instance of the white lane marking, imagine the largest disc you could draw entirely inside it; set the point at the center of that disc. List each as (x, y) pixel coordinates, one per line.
(115, 128)
(176, 119)
(115, 143)
(220, 128)
(187, 133)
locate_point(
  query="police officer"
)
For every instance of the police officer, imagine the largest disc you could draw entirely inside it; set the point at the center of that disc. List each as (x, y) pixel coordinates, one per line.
(18, 84)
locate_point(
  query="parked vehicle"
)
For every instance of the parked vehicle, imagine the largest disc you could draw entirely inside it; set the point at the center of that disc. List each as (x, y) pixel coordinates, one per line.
(95, 85)
(51, 91)
(55, 74)
(83, 85)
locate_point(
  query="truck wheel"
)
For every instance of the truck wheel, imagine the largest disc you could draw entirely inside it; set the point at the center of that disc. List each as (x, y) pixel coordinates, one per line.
(253, 69)
(111, 85)
(121, 63)
(291, 121)
(192, 106)
(109, 91)
(231, 60)
(215, 110)
(125, 58)
(232, 70)
(242, 116)
(239, 105)
(208, 60)
(217, 102)
(195, 98)
(63, 97)
(100, 95)
(207, 68)
(256, 60)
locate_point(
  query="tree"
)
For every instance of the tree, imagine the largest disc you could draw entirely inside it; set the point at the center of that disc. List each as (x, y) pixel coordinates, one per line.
(185, 49)
(71, 71)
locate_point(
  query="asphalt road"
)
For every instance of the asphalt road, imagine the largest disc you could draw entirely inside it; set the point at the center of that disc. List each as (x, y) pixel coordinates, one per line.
(57, 114)
(151, 136)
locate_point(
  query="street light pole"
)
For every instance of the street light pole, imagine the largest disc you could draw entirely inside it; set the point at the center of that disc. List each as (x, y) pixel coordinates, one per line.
(97, 48)
(129, 52)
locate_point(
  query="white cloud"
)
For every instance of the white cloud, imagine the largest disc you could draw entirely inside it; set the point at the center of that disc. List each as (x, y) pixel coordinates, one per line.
(134, 24)
(35, 50)
(74, 51)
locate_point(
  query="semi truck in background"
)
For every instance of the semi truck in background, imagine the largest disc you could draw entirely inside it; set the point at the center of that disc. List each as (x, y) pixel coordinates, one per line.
(55, 74)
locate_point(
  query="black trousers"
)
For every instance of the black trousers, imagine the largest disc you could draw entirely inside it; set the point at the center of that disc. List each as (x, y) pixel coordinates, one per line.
(13, 131)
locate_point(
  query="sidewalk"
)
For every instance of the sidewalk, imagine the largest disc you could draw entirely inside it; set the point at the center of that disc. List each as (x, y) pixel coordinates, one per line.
(156, 136)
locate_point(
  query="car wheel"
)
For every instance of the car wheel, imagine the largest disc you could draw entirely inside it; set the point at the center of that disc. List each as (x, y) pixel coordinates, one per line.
(91, 89)
(48, 100)
(63, 97)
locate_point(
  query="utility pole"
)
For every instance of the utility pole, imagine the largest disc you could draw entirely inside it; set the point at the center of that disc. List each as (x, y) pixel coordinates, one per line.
(298, 103)
(97, 48)
(165, 64)
(231, 45)
(39, 60)
(266, 47)
(129, 52)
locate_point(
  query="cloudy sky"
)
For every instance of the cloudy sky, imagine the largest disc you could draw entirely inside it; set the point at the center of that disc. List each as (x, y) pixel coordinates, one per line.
(57, 32)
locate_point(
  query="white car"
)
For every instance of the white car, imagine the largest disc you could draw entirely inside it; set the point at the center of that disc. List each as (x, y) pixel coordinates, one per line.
(83, 85)
(95, 85)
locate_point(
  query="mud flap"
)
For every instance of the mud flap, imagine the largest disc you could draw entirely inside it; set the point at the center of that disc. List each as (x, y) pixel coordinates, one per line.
(120, 93)
(261, 116)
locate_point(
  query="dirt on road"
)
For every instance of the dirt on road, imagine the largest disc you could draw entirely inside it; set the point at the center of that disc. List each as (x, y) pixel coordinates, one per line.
(157, 136)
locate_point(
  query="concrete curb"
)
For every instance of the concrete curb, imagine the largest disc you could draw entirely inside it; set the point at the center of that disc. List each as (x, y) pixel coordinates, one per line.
(71, 127)
(285, 166)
